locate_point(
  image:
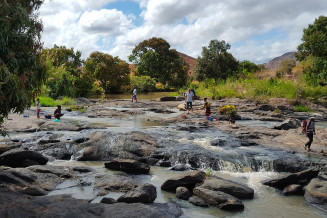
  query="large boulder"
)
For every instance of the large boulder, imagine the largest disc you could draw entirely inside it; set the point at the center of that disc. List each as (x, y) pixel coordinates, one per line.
(128, 166)
(94, 148)
(15, 204)
(219, 199)
(146, 193)
(235, 189)
(293, 190)
(188, 180)
(22, 158)
(300, 178)
(288, 124)
(197, 201)
(316, 191)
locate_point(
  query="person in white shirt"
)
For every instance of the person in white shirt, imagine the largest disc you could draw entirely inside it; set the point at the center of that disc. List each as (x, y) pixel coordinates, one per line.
(134, 94)
(310, 130)
(38, 107)
(188, 100)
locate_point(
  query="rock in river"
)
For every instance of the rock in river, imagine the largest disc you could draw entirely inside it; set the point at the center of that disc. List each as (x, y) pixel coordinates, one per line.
(22, 158)
(183, 193)
(146, 193)
(316, 191)
(237, 190)
(128, 166)
(188, 180)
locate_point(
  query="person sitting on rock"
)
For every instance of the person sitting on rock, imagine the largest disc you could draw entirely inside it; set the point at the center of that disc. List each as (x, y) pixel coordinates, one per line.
(57, 113)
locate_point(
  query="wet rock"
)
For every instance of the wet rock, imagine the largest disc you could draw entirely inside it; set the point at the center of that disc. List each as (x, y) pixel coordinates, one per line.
(180, 98)
(163, 163)
(265, 107)
(66, 206)
(316, 192)
(219, 199)
(128, 166)
(33, 191)
(218, 142)
(188, 180)
(293, 190)
(235, 189)
(81, 140)
(197, 201)
(6, 145)
(288, 124)
(247, 143)
(82, 169)
(289, 164)
(180, 167)
(42, 142)
(59, 150)
(22, 158)
(60, 171)
(94, 148)
(168, 98)
(108, 201)
(146, 193)
(114, 183)
(183, 193)
(294, 178)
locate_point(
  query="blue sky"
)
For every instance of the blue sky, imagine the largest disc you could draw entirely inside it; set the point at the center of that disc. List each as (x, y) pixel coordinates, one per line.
(258, 30)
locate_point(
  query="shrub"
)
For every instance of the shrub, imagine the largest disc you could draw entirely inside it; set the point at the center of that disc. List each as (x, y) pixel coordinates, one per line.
(47, 101)
(229, 110)
(143, 83)
(301, 108)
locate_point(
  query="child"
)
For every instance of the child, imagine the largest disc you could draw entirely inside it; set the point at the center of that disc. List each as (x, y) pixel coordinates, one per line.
(38, 108)
(134, 94)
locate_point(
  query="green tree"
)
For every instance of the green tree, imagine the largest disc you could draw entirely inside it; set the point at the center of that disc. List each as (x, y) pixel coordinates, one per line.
(313, 50)
(154, 58)
(112, 72)
(21, 72)
(65, 75)
(143, 83)
(246, 67)
(216, 62)
(286, 67)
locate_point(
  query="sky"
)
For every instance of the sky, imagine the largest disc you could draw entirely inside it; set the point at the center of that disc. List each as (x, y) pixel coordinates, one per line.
(257, 30)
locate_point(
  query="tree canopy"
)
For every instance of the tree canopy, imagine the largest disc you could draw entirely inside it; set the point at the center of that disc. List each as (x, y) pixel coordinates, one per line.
(20, 70)
(313, 51)
(216, 62)
(154, 58)
(112, 72)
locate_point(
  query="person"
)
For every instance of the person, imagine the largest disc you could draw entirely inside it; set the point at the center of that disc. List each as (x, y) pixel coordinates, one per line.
(57, 113)
(188, 100)
(134, 94)
(206, 105)
(38, 107)
(310, 130)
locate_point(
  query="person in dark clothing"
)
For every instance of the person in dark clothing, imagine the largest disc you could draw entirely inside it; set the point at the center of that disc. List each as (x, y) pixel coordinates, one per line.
(310, 130)
(57, 113)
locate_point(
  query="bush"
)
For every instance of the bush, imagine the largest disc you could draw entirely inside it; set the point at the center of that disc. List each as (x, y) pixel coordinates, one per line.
(229, 110)
(301, 108)
(47, 101)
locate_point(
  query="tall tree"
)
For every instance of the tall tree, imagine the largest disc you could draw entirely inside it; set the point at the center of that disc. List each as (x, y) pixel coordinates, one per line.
(313, 51)
(112, 72)
(20, 70)
(154, 58)
(216, 62)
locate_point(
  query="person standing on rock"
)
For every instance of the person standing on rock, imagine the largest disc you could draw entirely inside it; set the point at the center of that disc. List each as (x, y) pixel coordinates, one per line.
(38, 107)
(310, 130)
(188, 100)
(134, 94)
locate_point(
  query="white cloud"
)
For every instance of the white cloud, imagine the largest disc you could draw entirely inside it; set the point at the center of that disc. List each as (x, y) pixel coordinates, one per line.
(187, 25)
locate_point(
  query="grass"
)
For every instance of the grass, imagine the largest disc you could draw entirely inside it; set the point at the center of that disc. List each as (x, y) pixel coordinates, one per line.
(174, 94)
(50, 102)
(301, 108)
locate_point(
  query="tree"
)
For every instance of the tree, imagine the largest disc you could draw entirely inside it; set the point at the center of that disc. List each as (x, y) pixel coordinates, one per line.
(154, 58)
(21, 72)
(313, 51)
(248, 67)
(286, 67)
(65, 75)
(216, 62)
(112, 72)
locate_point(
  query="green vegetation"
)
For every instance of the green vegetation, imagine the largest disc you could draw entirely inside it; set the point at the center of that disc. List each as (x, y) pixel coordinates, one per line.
(21, 73)
(155, 59)
(208, 172)
(50, 102)
(301, 108)
(144, 83)
(174, 94)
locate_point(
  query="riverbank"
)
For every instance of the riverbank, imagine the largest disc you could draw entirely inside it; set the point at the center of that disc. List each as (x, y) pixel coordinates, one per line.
(159, 134)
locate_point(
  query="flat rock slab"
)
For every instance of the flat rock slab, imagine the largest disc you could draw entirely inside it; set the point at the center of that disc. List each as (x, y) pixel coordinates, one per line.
(219, 199)
(188, 180)
(237, 190)
(128, 166)
(146, 193)
(295, 178)
(22, 158)
(13, 204)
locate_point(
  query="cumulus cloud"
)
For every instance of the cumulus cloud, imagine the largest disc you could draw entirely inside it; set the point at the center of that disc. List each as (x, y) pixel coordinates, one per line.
(187, 25)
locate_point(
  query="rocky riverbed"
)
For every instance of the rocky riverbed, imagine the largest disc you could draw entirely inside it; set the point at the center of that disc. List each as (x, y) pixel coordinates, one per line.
(118, 158)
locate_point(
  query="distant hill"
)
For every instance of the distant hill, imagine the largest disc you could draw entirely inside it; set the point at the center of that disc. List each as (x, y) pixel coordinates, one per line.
(274, 64)
(191, 62)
